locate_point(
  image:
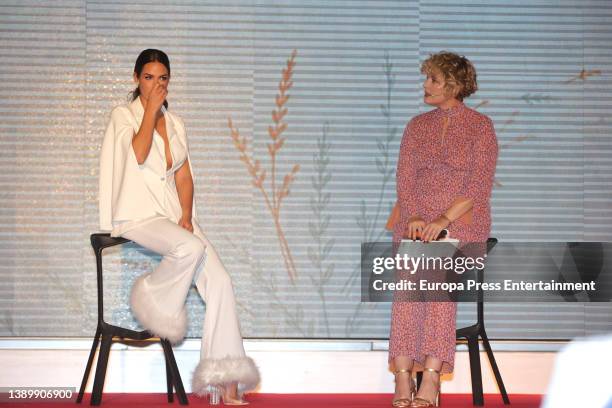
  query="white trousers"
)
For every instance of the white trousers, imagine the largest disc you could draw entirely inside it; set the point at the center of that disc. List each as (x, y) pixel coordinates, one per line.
(158, 302)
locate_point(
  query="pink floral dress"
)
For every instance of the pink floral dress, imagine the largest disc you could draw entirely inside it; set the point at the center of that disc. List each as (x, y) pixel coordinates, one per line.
(444, 154)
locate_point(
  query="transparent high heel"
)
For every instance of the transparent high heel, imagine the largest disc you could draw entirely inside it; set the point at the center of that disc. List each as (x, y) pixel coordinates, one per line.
(216, 396)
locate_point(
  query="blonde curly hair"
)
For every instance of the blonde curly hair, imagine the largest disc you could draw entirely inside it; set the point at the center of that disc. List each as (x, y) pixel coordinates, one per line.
(458, 72)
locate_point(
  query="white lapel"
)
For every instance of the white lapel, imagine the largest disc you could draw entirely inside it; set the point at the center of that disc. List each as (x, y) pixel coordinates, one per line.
(158, 162)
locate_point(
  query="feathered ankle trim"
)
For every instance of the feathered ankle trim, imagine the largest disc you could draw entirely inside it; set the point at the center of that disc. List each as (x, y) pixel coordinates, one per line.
(224, 371)
(152, 318)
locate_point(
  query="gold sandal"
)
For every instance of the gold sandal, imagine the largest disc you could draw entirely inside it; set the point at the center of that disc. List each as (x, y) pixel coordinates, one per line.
(405, 402)
(419, 402)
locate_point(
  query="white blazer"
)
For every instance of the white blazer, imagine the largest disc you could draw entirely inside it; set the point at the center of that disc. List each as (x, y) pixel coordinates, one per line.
(130, 192)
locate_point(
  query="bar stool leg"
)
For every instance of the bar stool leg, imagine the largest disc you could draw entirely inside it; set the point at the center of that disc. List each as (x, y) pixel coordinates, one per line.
(498, 377)
(169, 385)
(92, 353)
(176, 376)
(475, 371)
(96, 395)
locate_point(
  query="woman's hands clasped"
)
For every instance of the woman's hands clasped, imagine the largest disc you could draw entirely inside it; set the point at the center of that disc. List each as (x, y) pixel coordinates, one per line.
(433, 229)
(417, 228)
(414, 229)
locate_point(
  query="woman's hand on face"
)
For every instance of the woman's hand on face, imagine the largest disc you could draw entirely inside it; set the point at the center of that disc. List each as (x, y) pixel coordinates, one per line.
(185, 222)
(414, 230)
(157, 96)
(433, 229)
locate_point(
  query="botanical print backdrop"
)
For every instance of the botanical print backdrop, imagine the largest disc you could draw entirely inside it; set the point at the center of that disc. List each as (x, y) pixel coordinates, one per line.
(294, 113)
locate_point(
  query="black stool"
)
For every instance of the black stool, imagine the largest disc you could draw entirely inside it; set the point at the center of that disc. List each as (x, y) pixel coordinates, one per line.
(471, 334)
(107, 332)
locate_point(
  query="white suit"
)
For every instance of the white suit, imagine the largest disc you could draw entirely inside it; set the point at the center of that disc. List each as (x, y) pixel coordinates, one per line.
(140, 203)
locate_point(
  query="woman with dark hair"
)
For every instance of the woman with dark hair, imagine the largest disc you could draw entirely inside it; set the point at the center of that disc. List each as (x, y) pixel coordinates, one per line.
(445, 175)
(146, 195)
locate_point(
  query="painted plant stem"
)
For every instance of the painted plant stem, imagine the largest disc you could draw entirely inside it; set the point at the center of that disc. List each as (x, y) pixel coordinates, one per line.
(273, 199)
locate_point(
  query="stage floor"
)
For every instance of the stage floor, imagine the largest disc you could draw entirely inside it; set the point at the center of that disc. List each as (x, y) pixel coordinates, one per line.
(291, 400)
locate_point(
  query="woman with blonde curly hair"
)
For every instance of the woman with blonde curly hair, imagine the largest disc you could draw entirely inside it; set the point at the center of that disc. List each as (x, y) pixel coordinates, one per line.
(445, 175)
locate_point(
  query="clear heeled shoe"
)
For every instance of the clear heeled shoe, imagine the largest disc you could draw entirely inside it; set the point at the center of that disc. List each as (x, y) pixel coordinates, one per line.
(216, 397)
(404, 402)
(419, 402)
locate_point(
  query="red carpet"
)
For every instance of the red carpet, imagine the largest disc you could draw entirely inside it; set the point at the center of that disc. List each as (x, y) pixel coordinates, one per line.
(289, 401)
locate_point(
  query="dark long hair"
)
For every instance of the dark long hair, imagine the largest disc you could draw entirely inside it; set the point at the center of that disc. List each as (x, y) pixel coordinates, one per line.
(149, 55)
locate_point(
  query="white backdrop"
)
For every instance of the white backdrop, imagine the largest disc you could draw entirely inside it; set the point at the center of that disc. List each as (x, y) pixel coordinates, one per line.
(544, 80)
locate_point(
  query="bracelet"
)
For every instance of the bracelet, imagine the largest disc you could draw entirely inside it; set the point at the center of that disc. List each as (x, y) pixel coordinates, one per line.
(446, 218)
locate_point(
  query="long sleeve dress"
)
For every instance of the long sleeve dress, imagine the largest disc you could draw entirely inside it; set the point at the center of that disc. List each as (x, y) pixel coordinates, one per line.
(444, 154)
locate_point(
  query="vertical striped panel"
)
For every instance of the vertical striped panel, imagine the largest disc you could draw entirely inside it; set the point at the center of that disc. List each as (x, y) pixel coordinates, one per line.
(334, 117)
(529, 57)
(210, 50)
(41, 132)
(356, 83)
